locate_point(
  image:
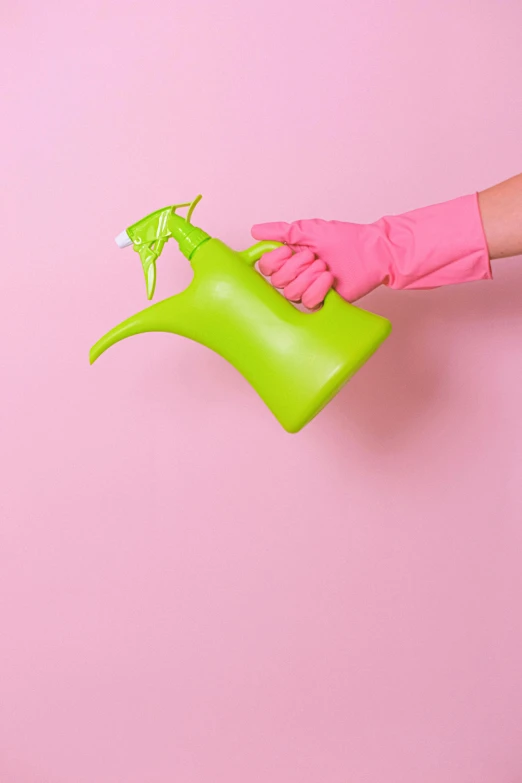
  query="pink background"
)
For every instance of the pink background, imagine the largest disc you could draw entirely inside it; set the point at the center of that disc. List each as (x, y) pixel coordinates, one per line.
(188, 593)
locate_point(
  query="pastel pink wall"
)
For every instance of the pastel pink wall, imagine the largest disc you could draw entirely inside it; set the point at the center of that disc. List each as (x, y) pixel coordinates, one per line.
(187, 593)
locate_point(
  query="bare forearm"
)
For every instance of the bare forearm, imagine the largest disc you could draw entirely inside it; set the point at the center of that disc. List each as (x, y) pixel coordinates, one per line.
(501, 210)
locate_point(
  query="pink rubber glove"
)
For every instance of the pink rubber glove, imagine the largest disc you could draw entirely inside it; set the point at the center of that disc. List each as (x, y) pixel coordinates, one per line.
(426, 248)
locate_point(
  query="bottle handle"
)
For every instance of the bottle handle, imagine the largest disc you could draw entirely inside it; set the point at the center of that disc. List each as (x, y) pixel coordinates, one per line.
(254, 253)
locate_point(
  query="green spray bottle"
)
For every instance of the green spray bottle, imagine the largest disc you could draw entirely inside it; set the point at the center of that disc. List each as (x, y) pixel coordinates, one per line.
(296, 361)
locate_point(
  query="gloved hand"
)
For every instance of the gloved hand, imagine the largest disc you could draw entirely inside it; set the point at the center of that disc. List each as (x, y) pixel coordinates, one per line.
(426, 248)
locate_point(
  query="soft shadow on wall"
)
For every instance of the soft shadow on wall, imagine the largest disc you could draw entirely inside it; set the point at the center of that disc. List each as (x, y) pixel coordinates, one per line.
(432, 360)
(437, 363)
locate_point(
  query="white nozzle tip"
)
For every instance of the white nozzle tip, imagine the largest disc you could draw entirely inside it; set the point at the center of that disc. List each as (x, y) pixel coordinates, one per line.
(123, 239)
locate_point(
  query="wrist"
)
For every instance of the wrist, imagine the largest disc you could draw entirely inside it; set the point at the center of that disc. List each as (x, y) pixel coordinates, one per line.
(437, 245)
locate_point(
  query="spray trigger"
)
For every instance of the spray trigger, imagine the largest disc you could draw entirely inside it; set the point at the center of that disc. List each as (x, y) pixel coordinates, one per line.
(149, 235)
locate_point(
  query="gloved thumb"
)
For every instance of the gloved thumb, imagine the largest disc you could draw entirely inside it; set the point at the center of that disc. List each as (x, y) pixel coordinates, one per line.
(277, 232)
(291, 233)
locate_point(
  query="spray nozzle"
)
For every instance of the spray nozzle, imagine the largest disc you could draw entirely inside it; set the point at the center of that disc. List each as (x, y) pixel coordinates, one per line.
(149, 235)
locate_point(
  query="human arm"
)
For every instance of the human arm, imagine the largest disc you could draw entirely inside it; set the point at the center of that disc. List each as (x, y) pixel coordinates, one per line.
(429, 247)
(501, 210)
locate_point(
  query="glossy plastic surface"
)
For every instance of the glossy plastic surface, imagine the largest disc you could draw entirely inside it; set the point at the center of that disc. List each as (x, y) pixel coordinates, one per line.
(149, 235)
(295, 361)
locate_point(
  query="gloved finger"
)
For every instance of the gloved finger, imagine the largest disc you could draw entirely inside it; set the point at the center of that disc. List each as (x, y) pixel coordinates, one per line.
(292, 267)
(295, 290)
(296, 233)
(275, 231)
(274, 260)
(315, 294)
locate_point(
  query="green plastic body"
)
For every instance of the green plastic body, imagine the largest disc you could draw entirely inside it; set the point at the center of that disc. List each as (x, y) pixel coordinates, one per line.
(296, 361)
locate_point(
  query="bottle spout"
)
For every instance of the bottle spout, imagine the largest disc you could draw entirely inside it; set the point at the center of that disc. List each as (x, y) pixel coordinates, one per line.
(170, 315)
(128, 328)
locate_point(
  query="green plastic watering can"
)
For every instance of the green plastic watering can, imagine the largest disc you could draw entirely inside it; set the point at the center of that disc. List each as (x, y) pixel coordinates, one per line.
(296, 361)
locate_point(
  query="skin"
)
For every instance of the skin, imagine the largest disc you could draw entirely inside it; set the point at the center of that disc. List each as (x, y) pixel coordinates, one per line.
(501, 210)
(295, 269)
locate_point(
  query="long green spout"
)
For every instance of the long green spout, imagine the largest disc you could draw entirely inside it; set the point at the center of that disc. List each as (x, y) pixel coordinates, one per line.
(170, 315)
(128, 328)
